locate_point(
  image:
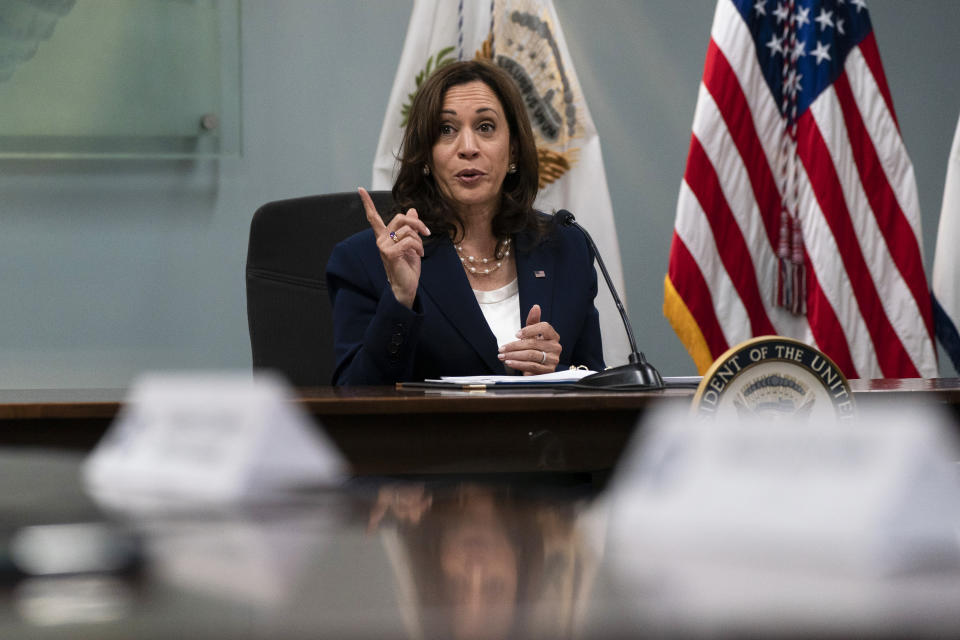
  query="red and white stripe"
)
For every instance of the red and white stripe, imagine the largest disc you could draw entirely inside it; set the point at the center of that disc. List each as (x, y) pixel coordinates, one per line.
(867, 302)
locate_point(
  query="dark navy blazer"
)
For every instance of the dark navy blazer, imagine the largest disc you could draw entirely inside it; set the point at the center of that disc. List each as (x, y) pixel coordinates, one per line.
(379, 341)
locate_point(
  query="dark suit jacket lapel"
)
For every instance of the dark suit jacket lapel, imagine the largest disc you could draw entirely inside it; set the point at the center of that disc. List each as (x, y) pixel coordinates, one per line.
(534, 289)
(442, 279)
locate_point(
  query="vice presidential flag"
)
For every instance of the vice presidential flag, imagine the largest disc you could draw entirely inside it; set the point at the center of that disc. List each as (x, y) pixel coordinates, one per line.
(946, 260)
(798, 212)
(524, 38)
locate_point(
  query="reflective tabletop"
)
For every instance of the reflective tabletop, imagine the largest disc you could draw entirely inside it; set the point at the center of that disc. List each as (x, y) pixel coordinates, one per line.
(382, 558)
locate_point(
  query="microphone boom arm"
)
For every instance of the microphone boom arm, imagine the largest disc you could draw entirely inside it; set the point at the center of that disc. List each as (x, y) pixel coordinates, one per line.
(638, 374)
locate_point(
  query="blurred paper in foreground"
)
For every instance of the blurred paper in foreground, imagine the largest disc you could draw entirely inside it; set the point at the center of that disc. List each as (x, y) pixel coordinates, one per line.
(210, 438)
(874, 497)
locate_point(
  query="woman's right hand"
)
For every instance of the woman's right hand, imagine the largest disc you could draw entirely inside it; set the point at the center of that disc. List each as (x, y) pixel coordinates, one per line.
(401, 248)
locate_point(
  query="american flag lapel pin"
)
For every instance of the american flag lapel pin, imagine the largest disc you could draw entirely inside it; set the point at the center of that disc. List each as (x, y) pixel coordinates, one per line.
(539, 273)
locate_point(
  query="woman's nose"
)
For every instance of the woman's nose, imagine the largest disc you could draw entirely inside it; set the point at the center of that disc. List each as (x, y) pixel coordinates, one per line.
(468, 145)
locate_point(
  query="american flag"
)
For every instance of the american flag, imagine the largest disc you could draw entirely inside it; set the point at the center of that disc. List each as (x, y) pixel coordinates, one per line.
(798, 213)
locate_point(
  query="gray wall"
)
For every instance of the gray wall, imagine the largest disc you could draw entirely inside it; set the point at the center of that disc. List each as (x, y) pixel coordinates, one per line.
(110, 268)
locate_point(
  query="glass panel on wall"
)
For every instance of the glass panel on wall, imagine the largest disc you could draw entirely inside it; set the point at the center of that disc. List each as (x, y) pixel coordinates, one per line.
(122, 78)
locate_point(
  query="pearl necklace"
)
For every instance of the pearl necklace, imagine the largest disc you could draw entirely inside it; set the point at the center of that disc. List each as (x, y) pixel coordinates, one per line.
(471, 263)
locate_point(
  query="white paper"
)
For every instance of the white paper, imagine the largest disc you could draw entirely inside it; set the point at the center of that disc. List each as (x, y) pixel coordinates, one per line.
(209, 437)
(567, 375)
(876, 497)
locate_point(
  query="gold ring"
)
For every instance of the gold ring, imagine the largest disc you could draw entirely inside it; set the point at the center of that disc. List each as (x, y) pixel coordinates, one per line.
(395, 236)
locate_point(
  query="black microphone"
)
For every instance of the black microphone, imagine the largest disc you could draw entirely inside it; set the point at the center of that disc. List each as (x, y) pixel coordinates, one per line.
(638, 374)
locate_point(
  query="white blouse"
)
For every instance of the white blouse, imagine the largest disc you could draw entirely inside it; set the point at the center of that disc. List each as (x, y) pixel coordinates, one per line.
(501, 308)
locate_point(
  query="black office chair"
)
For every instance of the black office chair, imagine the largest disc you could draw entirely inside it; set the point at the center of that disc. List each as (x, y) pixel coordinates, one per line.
(288, 308)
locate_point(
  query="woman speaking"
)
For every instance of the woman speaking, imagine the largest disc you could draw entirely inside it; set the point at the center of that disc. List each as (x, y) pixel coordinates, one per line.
(467, 278)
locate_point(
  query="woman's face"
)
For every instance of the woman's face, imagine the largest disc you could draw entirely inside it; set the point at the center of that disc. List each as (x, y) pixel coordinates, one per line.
(471, 156)
(479, 563)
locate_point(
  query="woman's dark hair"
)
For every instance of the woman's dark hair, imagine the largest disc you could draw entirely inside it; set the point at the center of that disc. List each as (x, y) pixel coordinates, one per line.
(414, 189)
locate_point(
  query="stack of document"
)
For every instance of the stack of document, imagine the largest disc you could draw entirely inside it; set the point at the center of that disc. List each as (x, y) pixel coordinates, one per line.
(555, 377)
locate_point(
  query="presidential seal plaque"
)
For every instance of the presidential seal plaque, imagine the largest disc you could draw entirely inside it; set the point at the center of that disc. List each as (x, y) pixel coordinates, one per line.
(772, 377)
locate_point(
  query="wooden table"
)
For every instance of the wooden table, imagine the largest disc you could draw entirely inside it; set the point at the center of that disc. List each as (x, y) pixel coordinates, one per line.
(384, 430)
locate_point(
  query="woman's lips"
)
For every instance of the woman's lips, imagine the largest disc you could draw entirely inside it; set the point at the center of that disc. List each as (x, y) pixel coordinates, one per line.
(469, 176)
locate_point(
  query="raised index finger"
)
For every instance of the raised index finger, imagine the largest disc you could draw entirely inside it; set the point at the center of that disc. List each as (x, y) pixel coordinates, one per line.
(373, 217)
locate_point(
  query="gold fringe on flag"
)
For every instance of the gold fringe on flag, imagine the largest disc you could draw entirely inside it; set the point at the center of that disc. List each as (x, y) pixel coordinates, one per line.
(686, 327)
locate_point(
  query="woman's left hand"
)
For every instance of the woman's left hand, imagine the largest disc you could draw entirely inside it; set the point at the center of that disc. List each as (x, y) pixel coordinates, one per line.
(537, 350)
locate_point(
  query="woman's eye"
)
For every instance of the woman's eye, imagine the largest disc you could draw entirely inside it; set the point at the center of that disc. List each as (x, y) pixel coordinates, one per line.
(486, 127)
(445, 129)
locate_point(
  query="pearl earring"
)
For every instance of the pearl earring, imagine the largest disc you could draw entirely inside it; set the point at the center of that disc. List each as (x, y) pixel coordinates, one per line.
(512, 168)
(426, 169)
